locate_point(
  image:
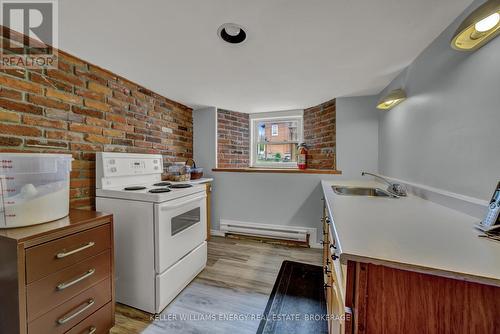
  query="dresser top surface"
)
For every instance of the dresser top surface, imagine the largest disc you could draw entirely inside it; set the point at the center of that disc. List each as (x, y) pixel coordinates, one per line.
(77, 219)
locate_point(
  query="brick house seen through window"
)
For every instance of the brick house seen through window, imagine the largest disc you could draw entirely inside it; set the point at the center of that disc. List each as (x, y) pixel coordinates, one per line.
(269, 140)
(274, 139)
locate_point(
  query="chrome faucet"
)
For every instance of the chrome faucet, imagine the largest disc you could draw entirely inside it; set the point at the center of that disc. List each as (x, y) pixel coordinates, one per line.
(397, 189)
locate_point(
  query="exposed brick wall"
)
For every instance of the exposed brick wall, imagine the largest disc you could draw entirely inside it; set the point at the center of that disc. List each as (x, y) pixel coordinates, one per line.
(319, 135)
(233, 139)
(80, 109)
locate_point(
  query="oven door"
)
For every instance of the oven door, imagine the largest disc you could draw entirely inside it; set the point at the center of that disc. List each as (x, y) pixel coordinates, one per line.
(180, 227)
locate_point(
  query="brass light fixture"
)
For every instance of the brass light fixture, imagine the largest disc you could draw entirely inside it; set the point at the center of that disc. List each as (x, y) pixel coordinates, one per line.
(481, 26)
(392, 99)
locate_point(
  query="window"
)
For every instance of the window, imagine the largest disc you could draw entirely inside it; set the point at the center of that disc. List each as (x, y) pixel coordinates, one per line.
(274, 139)
(274, 130)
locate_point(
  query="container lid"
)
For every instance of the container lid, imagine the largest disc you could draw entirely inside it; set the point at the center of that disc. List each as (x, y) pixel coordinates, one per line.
(38, 155)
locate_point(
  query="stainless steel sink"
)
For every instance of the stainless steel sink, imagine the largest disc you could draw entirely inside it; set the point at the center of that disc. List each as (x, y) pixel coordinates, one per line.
(361, 191)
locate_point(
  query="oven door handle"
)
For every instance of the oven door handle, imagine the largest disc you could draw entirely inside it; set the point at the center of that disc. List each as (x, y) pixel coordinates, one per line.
(167, 206)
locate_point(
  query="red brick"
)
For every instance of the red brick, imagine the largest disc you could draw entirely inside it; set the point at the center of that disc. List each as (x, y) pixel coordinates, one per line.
(66, 77)
(85, 128)
(96, 105)
(116, 118)
(44, 122)
(123, 127)
(90, 94)
(97, 122)
(7, 116)
(140, 143)
(17, 72)
(87, 112)
(50, 82)
(86, 147)
(10, 94)
(57, 94)
(64, 135)
(97, 139)
(20, 130)
(47, 102)
(19, 84)
(19, 106)
(113, 133)
(98, 88)
(10, 141)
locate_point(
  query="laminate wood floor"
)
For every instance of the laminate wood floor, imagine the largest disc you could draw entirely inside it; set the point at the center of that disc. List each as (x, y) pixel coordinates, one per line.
(226, 297)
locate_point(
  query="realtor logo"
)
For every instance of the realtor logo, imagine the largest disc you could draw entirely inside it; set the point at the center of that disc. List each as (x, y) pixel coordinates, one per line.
(30, 36)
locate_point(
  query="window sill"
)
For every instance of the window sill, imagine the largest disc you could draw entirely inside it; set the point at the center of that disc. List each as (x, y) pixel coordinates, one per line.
(278, 170)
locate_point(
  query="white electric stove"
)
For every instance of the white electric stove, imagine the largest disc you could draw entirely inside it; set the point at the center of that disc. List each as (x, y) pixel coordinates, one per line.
(159, 228)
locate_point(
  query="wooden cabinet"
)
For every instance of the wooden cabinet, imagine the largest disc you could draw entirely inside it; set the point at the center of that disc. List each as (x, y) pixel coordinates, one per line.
(363, 297)
(334, 290)
(58, 277)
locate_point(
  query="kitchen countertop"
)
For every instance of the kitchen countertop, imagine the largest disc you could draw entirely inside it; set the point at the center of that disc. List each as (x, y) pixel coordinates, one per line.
(410, 233)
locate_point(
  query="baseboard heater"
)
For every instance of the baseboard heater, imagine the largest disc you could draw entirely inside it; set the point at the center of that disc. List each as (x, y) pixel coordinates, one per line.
(265, 230)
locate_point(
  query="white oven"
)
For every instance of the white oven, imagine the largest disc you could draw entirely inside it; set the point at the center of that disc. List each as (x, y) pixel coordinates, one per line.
(160, 233)
(180, 227)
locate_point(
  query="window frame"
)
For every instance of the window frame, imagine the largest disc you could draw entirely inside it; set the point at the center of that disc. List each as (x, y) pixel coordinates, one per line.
(278, 116)
(274, 127)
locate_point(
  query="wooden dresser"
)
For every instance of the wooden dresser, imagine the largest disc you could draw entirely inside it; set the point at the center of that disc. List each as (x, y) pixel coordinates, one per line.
(58, 277)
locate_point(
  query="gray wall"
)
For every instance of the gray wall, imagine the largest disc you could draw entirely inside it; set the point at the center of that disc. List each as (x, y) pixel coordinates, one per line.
(445, 135)
(357, 135)
(289, 199)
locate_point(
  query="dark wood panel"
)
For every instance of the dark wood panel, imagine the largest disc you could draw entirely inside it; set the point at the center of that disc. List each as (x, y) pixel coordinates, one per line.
(100, 320)
(360, 298)
(99, 294)
(400, 301)
(43, 295)
(11, 287)
(42, 260)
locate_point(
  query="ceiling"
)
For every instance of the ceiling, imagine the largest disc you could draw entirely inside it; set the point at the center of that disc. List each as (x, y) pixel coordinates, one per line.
(298, 53)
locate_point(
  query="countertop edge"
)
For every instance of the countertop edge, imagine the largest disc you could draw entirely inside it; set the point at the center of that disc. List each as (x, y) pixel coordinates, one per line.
(345, 256)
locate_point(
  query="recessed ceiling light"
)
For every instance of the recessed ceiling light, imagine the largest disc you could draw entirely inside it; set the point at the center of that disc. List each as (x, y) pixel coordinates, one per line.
(231, 33)
(481, 26)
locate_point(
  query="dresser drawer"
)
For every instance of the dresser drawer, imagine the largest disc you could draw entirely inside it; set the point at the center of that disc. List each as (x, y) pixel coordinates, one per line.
(69, 314)
(55, 255)
(55, 289)
(98, 323)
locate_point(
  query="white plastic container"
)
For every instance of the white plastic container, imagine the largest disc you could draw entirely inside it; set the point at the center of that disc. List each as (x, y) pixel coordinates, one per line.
(34, 188)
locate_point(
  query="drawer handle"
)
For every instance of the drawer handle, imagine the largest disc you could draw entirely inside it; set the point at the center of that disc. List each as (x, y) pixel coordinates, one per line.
(334, 257)
(326, 270)
(84, 247)
(333, 246)
(88, 304)
(92, 330)
(66, 285)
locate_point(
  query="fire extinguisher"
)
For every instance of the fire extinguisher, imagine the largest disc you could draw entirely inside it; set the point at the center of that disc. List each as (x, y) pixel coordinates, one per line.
(302, 156)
